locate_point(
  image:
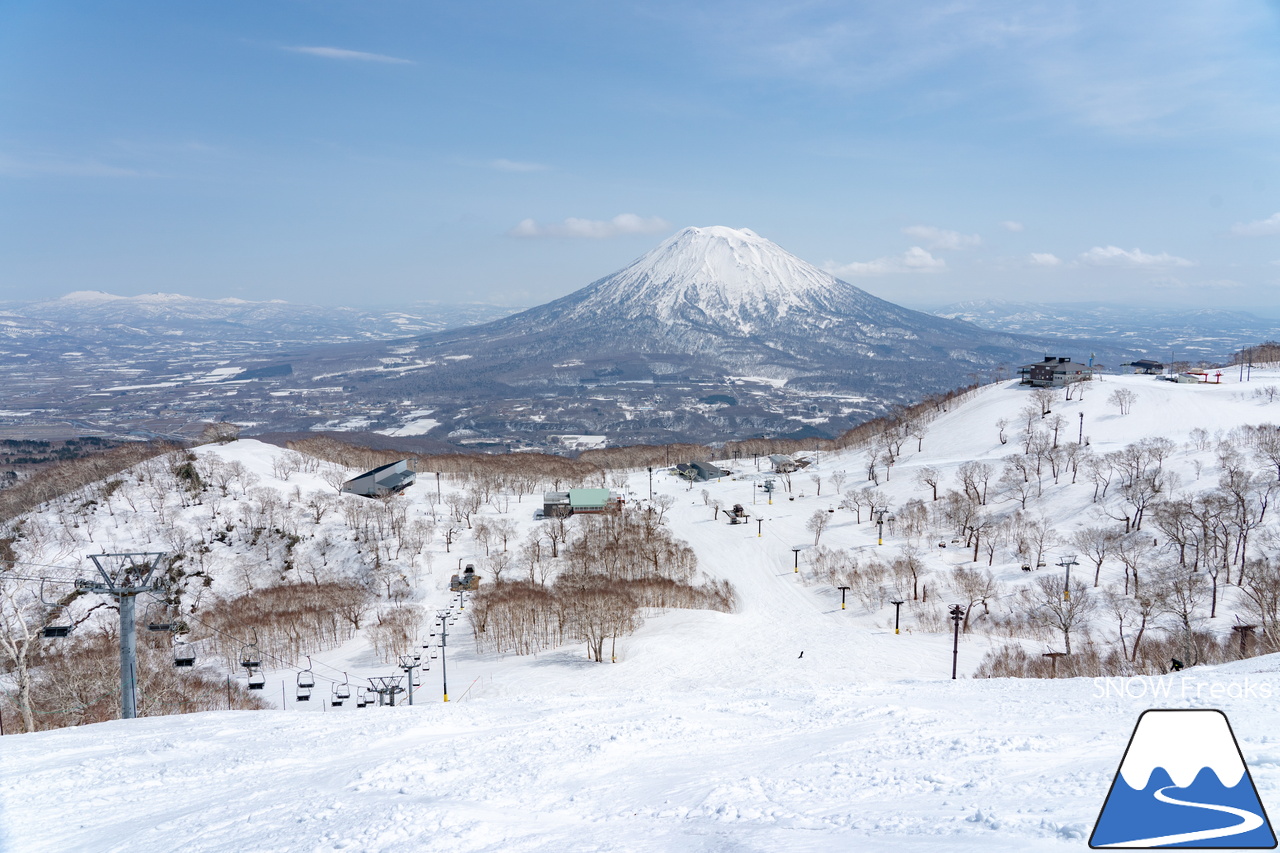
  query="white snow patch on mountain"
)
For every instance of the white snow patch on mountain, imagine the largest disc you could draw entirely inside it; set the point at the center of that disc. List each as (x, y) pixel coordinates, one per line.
(730, 274)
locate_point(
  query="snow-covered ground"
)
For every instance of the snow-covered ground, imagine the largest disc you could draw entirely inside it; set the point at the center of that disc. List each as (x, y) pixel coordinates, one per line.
(712, 733)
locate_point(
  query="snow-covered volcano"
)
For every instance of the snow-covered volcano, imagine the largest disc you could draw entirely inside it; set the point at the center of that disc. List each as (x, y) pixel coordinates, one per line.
(705, 306)
(732, 278)
(705, 285)
(733, 300)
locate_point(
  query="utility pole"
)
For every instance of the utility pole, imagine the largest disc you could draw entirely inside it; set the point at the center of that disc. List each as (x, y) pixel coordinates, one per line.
(897, 610)
(1080, 440)
(796, 551)
(759, 527)
(438, 487)
(444, 635)
(409, 663)
(125, 577)
(957, 613)
(651, 483)
(843, 590)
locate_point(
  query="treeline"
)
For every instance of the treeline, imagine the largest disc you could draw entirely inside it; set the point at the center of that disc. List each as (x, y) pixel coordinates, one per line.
(77, 682)
(1154, 657)
(520, 473)
(1264, 353)
(74, 474)
(613, 567)
(283, 622)
(592, 466)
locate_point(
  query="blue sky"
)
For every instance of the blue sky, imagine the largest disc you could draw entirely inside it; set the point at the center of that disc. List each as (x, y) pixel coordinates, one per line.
(372, 152)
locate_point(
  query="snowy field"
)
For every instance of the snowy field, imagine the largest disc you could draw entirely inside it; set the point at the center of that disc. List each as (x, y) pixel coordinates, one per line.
(712, 733)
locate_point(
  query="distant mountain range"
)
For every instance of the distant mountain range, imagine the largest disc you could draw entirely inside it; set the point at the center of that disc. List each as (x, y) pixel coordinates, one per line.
(1181, 334)
(716, 333)
(94, 318)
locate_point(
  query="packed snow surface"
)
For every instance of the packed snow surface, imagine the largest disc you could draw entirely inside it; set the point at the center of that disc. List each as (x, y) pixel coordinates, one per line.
(789, 725)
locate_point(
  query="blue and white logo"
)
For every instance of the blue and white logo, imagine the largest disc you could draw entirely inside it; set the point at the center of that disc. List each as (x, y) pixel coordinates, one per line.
(1183, 783)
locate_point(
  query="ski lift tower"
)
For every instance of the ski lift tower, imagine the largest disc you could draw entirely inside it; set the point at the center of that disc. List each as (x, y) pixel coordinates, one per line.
(124, 578)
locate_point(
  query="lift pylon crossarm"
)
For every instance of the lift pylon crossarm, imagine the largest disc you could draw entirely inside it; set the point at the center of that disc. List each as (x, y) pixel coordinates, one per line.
(131, 573)
(387, 686)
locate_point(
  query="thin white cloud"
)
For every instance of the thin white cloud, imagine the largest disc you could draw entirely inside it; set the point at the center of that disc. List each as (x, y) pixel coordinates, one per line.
(596, 229)
(938, 238)
(1114, 256)
(913, 260)
(1146, 67)
(1173, 283)
(1010, 225)
(1261, 228)
(1045, 259)
(342, 53)
(504, 165)
(14, 167)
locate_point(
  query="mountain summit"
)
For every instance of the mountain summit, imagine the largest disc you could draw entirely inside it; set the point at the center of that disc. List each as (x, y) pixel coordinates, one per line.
(735, 276)
(747, 303)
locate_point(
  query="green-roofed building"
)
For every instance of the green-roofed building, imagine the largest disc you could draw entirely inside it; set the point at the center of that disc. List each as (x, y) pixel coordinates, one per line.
(580, 501)
(589, 500)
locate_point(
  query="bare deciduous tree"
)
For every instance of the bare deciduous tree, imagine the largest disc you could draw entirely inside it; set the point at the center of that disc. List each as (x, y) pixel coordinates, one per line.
(1052, 607)
(817, 523)
(1123, 399)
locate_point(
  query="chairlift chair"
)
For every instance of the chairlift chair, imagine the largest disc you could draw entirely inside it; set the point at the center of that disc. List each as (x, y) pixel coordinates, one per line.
(249, 657)
(52, 631)
(362, 698)
(184, 655)
(257, 679)
(340, 692)
(156, 621)
(306, 678)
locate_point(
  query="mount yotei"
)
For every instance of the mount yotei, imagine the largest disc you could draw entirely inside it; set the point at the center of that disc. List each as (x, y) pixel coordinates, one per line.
(714, 332)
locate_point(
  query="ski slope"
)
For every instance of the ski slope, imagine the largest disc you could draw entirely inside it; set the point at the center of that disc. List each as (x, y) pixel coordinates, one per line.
(712, 733)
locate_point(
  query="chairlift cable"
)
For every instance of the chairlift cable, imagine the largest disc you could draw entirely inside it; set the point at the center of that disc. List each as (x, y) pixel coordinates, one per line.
(284, 664)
